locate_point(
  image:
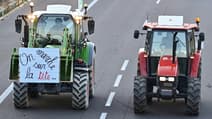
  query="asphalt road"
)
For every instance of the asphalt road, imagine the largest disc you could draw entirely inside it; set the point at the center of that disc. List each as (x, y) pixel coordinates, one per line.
(115, 61)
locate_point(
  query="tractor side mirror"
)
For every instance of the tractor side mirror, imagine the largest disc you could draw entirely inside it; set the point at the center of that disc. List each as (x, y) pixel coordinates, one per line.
(18, 25)
(201, 39)
(136, 34)
(202, 36)
(91, 26)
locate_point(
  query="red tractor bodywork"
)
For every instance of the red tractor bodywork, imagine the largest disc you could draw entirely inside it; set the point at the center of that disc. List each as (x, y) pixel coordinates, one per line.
(172, 78)
(142, 59)
(166, 67)
(195, 59)
(185, 26)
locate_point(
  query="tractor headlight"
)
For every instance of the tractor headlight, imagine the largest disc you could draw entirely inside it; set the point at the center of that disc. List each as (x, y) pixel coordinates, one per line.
(31, 17)
(171, 79)
(78, 19)
(162, 78)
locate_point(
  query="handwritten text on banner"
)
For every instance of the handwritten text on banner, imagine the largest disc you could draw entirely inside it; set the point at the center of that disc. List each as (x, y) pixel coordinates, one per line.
(39, 65)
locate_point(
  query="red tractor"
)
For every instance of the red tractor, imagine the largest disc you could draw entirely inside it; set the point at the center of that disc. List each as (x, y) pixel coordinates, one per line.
(169, 66)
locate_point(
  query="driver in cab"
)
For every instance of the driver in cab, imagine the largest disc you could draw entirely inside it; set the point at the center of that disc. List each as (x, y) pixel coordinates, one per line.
(58, 28)
(166, 44)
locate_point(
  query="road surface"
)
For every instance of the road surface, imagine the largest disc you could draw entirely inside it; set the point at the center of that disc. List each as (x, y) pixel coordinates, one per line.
(116, 61)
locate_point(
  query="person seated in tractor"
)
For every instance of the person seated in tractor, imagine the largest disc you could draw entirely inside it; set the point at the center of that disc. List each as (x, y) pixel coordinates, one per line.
(167, 44)
(56, 31)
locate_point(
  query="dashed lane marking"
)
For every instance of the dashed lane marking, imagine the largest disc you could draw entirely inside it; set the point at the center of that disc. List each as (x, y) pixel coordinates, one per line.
(118, 80)
(92, 4)
(6, 93)
(158, 1)
(124, 65)
(103, 115)
(110, 99)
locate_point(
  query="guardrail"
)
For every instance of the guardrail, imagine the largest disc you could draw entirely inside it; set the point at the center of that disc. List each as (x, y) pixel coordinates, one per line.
(11, 4)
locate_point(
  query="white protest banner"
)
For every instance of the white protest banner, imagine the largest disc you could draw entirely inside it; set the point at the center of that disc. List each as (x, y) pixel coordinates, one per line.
(39, 65)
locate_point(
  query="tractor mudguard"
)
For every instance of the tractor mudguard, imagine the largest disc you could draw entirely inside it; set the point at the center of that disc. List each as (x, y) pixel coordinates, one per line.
(88, 53)
(91, 52)
(14, 62)
(195, 64)
(142, 59)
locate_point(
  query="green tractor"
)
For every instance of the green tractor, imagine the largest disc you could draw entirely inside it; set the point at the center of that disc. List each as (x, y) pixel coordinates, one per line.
(56, 56)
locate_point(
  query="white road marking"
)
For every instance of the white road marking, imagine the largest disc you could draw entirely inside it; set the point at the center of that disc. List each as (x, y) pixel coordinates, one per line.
(6, 93)
(110, 99)
(10, 12)
(92, 4)
(10, 88)
(158, 1)
(124, 65)
(103, 115)
(118, 79)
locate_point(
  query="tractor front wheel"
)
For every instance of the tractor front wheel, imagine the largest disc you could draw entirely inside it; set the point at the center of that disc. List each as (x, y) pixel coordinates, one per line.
(33, 91)
(80, 90)
(140, 99)
(193, 96)
(20, 95)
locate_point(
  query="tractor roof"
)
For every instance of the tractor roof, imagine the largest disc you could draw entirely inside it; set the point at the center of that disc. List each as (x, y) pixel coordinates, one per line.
(58, 9)
(170, 23)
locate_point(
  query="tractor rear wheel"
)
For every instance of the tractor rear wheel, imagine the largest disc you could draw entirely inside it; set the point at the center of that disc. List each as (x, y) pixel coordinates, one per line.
(200, 70)
(149, 88)
(80, 90)
(33, 91)
(140, 99)
(92, 80)
(20, 95)
(193, 96)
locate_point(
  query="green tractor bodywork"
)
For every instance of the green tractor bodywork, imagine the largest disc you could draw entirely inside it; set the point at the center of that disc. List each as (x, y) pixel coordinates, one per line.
(76, 52)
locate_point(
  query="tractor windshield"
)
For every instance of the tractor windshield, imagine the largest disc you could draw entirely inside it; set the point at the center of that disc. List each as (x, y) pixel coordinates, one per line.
(162, 43)
(51, 26)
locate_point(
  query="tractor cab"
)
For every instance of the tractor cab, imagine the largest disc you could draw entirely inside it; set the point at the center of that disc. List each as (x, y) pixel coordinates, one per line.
(160, 41)
(170, 59)
(52, 24)
(52, 27)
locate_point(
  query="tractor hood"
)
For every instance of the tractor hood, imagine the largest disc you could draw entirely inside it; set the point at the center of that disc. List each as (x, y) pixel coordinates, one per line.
(166, 67)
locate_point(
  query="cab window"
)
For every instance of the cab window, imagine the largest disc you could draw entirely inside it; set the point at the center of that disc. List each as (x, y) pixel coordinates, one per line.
(162, 43)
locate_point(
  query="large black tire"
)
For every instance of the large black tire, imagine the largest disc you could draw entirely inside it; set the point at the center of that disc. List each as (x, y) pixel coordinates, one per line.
(80, 90)
(20, 95)
(193, 96)
(149, 88)
(92, 80)
(140, 99)
(149, 85)
(33, 93)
